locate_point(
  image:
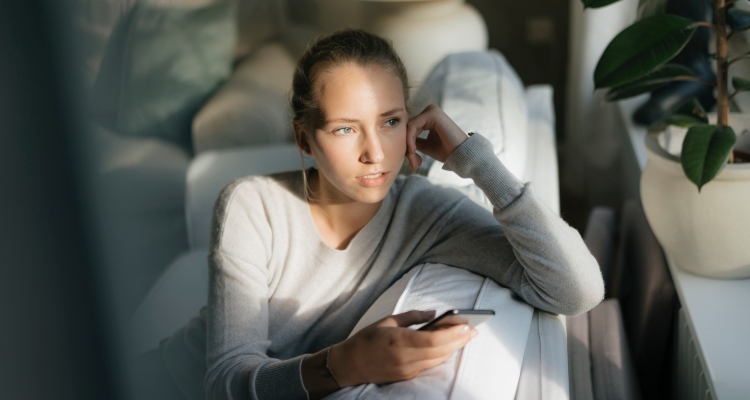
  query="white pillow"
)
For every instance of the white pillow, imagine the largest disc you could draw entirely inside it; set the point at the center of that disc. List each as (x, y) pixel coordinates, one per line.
(487, 368)
(482, 93)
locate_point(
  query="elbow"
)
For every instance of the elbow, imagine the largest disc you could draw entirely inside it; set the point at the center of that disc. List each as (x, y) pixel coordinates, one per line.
(586, 289)
(584, 296)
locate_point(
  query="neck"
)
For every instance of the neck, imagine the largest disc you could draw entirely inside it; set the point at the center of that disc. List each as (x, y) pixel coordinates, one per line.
(338, 220)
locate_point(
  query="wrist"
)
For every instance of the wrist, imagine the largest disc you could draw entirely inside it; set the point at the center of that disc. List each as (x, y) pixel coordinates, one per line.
(328, 367)
(344, 373)
(315, 376)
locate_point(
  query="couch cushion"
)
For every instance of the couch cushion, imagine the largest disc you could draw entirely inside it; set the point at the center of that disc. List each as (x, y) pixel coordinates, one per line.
(258, 21)
(482, 92)
(160, 65)
(251, 108)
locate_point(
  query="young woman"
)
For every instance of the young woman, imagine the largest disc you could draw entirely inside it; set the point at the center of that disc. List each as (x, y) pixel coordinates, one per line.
(297, 258)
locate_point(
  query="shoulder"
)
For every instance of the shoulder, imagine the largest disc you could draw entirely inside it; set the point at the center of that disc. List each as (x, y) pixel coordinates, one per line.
(259, 187)
(251, 200)
(422, 201)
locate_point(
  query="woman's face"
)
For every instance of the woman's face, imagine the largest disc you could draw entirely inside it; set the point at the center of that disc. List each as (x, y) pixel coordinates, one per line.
(360, 145)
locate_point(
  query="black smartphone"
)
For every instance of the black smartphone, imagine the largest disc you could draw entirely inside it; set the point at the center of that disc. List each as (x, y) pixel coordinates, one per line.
(456, 317)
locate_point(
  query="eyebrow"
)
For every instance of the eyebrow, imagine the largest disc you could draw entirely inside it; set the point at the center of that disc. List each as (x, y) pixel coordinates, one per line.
(385, 114)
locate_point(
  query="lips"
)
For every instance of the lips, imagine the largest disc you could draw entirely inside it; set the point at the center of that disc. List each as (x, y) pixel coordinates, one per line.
(374, 179)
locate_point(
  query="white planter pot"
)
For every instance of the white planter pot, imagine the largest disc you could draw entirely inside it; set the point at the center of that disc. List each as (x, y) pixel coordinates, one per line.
(706, 233)
(423, 32)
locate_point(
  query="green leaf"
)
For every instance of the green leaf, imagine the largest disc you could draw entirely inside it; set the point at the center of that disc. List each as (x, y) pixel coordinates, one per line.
(685, 113)
(660, 77)
(597, 3)
(738, 20)
(705, 152)
(641, 48)
(649, 8)
(740, 84)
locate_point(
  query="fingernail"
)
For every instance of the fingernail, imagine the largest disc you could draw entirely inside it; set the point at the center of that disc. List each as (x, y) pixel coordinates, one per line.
(465, 329)
(429, 312)
(474, 333)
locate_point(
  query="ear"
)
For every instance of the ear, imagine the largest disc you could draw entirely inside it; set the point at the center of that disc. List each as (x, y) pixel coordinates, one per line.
(301, 138)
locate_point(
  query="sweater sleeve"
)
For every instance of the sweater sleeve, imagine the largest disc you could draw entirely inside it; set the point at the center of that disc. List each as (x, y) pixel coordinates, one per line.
(533, 251)
(238, 322)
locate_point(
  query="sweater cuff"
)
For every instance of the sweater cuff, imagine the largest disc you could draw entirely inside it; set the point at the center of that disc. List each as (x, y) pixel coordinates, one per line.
(475, 159)
(280, 380)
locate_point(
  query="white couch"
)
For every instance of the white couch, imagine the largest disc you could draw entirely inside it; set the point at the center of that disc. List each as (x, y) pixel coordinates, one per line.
(140, 182)
(527, 144)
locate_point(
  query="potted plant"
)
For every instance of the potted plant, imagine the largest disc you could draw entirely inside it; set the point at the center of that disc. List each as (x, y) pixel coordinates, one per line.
(697, 202)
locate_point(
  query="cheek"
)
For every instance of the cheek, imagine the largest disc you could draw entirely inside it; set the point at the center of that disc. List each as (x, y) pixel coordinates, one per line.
(397, 144)
(333, 157)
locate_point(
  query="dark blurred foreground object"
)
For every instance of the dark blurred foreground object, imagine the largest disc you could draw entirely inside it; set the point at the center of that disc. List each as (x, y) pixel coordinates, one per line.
(51, 338)
(694, 56)
(620, 349)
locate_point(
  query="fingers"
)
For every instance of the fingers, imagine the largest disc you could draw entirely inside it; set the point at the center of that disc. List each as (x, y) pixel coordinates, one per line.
(440, 337)
(444, 137)
(427, 357)
(414, 128)
(409, 318)
(400, 352)
(414, 160)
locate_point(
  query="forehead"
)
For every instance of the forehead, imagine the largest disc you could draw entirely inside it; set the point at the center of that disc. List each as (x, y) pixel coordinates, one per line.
(355, 89)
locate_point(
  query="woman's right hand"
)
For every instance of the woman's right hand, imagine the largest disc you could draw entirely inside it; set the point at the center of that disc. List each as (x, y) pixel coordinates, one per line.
(387, 351)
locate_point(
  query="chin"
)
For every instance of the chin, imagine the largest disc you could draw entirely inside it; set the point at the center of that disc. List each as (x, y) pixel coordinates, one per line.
(372, 195)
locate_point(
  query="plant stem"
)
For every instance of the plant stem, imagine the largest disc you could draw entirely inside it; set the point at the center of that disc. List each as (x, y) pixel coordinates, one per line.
(722, 65)
(738, 58)
(694, 79)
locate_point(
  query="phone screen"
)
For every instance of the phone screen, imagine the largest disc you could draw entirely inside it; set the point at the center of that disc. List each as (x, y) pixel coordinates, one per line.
(456, 317)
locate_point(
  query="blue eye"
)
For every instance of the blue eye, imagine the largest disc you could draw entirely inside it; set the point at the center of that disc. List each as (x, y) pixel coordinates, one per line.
(392, 122)
(344, 131)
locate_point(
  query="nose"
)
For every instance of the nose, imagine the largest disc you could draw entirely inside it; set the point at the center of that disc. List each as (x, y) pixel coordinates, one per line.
(372, 149)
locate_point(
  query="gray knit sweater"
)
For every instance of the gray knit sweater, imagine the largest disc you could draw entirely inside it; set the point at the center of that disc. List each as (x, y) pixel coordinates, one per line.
(278, 293)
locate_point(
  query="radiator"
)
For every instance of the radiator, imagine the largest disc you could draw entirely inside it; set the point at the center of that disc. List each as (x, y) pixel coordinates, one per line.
(692, 381)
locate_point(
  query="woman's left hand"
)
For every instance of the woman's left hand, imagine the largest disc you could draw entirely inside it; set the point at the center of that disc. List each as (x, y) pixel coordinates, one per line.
(444, 137)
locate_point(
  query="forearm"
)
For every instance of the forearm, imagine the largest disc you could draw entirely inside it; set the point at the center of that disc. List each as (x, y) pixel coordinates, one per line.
(554, 269)
(238, 336)
(256, 378)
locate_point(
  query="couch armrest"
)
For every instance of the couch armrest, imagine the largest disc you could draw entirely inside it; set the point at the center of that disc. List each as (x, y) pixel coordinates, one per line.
(541, 163)
(599, 360)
